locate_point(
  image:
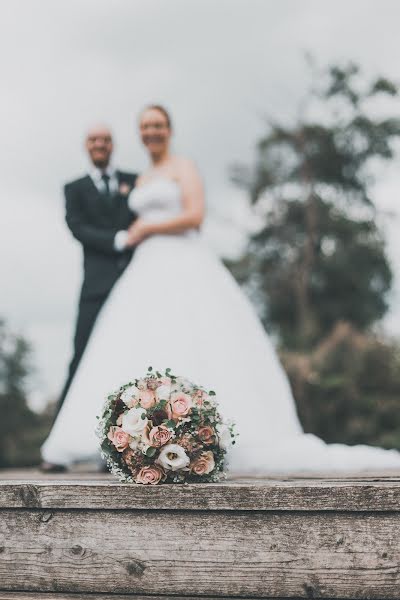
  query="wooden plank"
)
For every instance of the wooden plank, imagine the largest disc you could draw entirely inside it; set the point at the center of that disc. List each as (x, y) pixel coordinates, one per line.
(302, 495)
(63, 596)
(260, 554)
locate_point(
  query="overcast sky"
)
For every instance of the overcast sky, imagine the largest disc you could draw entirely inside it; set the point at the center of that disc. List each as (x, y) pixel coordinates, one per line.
(218, 65)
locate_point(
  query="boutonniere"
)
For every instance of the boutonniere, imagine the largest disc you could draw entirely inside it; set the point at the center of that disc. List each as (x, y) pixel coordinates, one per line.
(124, 189)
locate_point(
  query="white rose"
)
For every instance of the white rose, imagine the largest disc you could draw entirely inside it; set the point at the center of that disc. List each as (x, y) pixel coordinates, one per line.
(132, 421)
(163, 392)
(173, 457)
(131, 393)
(224, 436)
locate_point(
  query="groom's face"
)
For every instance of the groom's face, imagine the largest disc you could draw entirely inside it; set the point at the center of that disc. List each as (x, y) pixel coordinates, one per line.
(99, 145)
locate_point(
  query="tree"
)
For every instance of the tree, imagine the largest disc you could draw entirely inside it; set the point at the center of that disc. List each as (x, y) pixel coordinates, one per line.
(21, 430)
(320, 255)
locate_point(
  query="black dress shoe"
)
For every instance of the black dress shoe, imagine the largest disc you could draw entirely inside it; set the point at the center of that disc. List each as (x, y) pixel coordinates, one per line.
(48, 467)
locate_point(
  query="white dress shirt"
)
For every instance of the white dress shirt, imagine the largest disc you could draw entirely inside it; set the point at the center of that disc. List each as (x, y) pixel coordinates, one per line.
(96, 175)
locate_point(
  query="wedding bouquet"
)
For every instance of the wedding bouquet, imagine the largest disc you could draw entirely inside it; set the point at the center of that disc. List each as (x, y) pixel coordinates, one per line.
(163, 428)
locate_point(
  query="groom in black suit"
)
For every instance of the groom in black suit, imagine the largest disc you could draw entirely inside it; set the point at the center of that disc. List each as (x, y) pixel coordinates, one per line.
(98, 216)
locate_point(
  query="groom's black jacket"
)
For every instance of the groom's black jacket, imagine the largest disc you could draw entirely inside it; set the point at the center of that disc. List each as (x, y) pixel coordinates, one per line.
(94, 222)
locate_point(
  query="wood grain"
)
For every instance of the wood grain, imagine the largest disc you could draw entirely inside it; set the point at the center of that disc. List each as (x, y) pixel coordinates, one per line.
(260, 554)
(63, 596)
(264, 495)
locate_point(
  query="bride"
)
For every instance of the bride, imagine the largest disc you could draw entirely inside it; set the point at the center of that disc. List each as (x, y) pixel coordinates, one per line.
(177, 306)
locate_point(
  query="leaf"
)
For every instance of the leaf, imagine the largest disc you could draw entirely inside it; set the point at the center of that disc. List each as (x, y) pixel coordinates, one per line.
(150, 452)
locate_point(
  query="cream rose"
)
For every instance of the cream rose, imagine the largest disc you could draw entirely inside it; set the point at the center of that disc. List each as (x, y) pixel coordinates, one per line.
(203, 464)
(147, 398)
(119, 438)
(179, 405)
(134, 421)
(130, 396)
(151, 474)
(224, 436)
(173, 457)
(164, 391)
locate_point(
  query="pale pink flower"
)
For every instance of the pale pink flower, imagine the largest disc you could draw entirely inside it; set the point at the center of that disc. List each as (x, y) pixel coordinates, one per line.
(147, 398)
(200, 396)
(179, 405)
(119, 438)
(159, 436)
(150, 474)
(203, 464)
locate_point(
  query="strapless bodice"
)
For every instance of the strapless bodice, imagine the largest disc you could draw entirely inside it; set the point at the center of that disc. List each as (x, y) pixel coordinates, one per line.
(157, 200)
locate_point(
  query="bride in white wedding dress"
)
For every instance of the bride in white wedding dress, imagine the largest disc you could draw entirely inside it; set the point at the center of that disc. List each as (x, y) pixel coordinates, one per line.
(177, 306)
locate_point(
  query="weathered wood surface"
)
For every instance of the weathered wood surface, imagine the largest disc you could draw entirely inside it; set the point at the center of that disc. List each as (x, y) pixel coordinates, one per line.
(302, 495)
(66, 596)
(63, 538)
(63, 596)
(260, 554)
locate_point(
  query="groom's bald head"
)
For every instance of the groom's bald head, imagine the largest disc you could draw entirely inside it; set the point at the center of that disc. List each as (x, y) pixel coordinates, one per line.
(99, 144)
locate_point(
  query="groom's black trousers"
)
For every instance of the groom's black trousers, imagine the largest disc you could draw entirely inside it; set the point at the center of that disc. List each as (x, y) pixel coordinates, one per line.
(88, 310)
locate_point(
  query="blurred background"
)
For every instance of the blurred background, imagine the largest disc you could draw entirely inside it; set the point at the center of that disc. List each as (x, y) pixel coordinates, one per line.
(290, 109)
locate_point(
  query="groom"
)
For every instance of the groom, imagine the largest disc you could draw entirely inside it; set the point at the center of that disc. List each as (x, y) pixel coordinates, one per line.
(98, 216)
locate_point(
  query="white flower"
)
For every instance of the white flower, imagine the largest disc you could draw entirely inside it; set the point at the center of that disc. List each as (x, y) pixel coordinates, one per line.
(173, 457)
(224, 436)
(131, 393)
(163, 392)
(132, 421)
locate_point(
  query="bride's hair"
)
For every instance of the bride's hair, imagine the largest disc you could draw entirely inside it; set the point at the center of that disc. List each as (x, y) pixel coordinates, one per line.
(160, 109)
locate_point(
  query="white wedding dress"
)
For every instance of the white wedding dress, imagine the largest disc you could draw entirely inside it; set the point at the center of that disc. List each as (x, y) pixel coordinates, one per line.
(177, 306)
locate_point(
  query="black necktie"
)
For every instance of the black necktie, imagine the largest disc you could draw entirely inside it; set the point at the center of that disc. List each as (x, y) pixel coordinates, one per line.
(106, 180)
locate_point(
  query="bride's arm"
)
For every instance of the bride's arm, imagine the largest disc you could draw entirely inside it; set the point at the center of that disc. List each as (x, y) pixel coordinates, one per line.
(192, 214)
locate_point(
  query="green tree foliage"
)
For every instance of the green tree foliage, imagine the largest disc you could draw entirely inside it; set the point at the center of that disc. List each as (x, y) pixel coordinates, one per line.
(21, 430)
(348, 388)
(320, 255)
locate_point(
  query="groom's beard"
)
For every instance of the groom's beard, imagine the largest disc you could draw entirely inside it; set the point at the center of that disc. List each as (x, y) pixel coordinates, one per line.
(101, 164)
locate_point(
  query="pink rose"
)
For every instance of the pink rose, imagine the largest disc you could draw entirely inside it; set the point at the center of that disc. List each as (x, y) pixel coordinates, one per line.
(147, 398)
(159, 436)
(119, 438)
(179, 405)
(151, 474)
(203, 464)
(206, 434)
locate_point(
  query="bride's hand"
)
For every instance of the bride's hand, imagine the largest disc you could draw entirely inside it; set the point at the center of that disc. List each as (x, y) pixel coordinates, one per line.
(137, 232)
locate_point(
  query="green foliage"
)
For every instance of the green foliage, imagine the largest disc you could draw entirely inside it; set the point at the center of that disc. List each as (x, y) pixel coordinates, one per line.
(22, 431)
(348, 389)
(320, 255)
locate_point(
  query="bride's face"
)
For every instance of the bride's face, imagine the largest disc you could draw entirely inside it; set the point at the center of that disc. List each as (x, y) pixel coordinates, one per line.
(155, 131)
